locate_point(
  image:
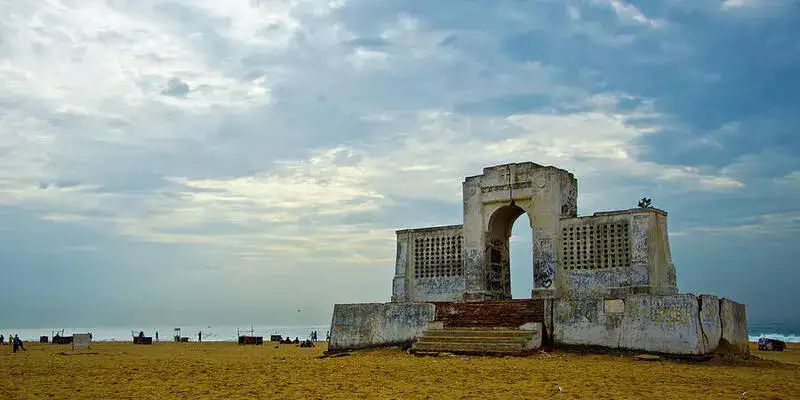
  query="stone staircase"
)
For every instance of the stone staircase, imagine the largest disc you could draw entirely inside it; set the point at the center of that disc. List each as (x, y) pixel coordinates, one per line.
(508, 327)
(477, 341)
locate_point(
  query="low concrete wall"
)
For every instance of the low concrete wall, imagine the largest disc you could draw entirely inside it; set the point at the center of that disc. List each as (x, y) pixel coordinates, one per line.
(733, 318)
(663, 324)
(356, 326)
(677, 324)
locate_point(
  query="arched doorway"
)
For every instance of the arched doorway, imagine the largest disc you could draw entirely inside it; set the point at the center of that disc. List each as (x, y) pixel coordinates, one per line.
(498, 251)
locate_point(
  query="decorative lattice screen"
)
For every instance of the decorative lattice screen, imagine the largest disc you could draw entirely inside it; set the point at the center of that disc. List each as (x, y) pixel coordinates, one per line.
(438, 256)
(596, 246)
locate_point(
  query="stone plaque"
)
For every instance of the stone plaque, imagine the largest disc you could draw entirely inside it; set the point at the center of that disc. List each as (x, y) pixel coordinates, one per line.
(614, 306)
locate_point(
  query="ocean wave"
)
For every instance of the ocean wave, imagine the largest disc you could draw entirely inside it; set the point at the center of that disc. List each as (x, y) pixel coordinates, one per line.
(785, 338)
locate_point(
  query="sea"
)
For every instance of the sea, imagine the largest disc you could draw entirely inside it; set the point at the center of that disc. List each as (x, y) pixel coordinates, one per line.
(787, 332)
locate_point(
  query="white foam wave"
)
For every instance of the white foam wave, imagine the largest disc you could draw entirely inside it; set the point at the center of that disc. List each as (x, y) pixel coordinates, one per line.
(785, 338)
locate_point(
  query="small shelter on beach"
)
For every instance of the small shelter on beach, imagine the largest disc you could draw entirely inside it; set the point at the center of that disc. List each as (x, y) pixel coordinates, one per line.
(250, 339)
(178, 338)
(142, 339)
(81, 340)
(59, 338)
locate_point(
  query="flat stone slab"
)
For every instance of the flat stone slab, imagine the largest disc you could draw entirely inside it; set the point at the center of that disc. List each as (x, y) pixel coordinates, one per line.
(647, 357)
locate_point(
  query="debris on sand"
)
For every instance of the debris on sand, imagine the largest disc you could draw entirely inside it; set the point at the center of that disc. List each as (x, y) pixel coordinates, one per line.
(647, 357)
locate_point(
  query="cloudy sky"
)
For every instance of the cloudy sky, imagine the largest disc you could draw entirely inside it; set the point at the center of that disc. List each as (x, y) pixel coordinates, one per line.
(215, 162)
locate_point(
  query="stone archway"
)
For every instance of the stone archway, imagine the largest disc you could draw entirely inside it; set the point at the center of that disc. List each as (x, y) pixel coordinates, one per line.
(492, 202)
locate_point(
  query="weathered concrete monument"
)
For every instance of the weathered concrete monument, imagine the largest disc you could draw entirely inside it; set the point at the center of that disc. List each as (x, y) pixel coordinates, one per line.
(605, 280)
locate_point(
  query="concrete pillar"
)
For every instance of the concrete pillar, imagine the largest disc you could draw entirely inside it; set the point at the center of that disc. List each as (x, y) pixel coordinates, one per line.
(473, 240)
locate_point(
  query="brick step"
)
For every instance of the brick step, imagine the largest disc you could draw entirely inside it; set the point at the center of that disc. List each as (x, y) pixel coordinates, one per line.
(490, 313)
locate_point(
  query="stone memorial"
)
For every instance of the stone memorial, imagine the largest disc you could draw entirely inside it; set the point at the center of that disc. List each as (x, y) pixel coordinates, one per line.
(604, 280)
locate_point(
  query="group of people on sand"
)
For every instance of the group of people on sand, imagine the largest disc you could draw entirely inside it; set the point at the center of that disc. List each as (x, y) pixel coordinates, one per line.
(289, 340)
(305, 343)
(14, 341)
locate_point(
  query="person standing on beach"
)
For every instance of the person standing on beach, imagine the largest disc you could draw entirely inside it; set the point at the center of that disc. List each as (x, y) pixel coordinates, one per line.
(18, 344)
(2, 341)
(156, 336)
(200, 336)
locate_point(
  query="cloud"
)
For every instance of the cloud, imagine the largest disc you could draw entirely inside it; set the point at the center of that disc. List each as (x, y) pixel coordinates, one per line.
(627, 12)
(425, 159)
(517, 110)
(251, 136)
(63, 217)
(765, 225)
(176, 88)
(754, 5)
(791, 179)
(730, 4)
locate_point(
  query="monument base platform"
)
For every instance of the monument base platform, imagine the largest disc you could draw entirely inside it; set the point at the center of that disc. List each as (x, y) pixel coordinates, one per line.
(680, 324)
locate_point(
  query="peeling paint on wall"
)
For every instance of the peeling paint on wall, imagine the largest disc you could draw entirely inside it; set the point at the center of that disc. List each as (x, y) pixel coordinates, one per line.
(569, 197)
(639, 236)
(355, 326)
(544, 258)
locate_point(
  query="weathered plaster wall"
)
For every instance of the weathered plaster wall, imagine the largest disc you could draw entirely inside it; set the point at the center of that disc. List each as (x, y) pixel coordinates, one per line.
(664, 324)
(612, 282)
(733, 318)
(710, 320)
(429, 264)
(438, 289)
(473, 239)
(617, 253)
(401, 267)
(356, 326)
(671, 324)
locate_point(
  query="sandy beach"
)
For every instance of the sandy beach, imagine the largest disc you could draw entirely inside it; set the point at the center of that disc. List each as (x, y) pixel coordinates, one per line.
(230, 371)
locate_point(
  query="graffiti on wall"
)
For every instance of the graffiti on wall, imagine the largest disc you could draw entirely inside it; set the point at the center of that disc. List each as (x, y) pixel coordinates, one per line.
(544, 259)
(544, 278)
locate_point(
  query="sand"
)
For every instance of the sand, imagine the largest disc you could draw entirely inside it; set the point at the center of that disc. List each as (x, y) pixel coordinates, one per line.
(229, 371)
